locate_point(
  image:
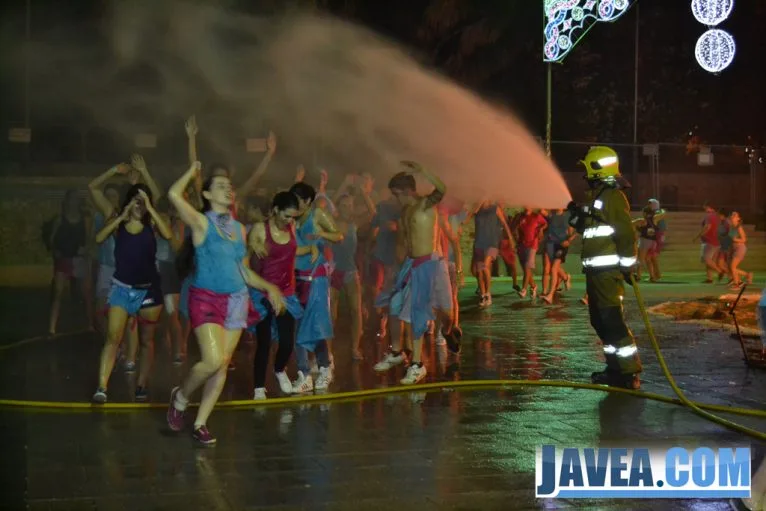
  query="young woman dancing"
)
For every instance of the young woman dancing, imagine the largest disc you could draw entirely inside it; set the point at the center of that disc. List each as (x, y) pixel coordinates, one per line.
(136, 289)
(218, 301)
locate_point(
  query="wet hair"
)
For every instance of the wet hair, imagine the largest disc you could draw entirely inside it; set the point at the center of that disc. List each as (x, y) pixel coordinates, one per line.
(402, 181)
(285, 200)
(304, 191)
(131, 193)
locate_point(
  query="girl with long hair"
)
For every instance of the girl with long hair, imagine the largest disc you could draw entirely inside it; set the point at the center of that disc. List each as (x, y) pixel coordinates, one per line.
(136, 289)
(218, 302)
(275, 246)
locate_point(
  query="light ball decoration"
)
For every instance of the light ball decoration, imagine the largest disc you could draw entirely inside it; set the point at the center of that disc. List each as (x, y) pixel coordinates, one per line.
(712, 12)
(715, 50)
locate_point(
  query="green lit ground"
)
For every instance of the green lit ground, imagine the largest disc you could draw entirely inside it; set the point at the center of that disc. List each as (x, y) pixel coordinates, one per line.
(441, 450)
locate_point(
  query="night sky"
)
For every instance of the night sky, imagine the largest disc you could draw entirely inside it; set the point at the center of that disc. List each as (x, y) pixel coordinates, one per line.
(495, 48)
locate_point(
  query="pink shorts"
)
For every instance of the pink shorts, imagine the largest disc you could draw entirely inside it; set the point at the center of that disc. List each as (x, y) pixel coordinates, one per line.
(231, 311)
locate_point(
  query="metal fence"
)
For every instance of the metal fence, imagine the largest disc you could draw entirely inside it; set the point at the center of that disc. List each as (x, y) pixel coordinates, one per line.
(681, 176)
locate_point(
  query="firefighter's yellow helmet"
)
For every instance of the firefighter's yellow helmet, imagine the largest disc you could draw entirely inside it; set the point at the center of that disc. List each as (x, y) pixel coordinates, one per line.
(601, 162)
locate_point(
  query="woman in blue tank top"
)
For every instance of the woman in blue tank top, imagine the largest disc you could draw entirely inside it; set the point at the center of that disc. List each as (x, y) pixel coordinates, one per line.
(136, 287)
(218, 300)
(314, 230)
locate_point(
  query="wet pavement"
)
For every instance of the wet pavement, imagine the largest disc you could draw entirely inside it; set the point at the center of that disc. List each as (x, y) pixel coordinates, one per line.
(445, 449)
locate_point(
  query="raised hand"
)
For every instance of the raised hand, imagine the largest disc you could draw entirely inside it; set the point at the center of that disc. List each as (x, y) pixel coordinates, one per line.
(300, 174)
(367, 183)
(191, 126)
(323, 179)
(271, 143)
(121, 169)
(138, 163)
(145, 198)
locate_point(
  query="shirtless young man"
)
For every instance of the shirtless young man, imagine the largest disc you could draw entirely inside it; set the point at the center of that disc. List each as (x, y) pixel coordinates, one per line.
(423, 283)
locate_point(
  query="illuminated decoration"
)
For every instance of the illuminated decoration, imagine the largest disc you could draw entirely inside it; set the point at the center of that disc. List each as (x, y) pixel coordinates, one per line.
(715, 50)
(712, 12)
(567, 22)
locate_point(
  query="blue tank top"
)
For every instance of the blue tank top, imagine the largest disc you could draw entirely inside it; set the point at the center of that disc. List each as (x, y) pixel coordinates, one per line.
(217, 260)
(487, 228)
(106, 248)
(135, 256)
(303, 262)
(344, 253)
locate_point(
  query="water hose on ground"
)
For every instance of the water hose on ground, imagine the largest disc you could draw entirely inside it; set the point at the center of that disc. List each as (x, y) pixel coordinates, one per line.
(684, 400)
(357, 395)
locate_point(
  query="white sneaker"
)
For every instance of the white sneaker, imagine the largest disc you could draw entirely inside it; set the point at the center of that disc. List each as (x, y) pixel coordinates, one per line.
(284, 383)
(325, 378)
(523, 293)
(304, 383)
(259, 394)
(389, 361)
(414, 375)
(440, 340)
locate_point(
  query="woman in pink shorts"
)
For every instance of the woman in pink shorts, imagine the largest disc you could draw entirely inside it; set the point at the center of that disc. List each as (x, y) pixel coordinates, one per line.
(218, 300)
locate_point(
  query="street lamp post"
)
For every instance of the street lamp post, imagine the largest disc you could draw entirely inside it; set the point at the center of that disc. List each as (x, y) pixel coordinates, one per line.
(566, 24)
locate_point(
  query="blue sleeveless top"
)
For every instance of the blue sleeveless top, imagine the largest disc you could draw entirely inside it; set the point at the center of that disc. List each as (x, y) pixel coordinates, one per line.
(303, 262)
(217, 260)
(344, 253)
(135, 256)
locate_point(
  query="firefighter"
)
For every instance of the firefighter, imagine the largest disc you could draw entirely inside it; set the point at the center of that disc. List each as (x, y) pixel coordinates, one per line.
(608, 259)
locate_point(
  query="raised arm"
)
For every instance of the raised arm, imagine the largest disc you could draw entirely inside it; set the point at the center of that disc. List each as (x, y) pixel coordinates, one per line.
(162, 226)
(94, 187)
(366, 189)
(300, 174)
(114, 223)
(254, 179)
(138, 163)
(322, 200)
(191, 135)
(327, 228)
(190, 216)
(440, 189)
